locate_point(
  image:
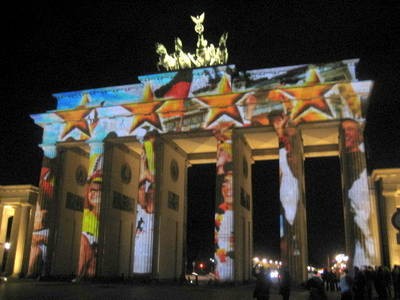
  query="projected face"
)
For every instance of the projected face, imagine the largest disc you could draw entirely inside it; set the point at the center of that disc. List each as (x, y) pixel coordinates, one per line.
(145, 196)
(94, 191)
(352, 135)
(226, 188)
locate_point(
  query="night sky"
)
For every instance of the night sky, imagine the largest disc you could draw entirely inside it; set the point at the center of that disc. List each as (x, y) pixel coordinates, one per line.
(56, 48)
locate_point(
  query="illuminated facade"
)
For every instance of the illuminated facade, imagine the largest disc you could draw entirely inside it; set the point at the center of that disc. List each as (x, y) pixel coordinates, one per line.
(17, 215)
(113, 179)
(386, 188)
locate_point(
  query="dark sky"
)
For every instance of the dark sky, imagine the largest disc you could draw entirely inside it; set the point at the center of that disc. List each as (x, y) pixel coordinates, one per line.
(55, 48)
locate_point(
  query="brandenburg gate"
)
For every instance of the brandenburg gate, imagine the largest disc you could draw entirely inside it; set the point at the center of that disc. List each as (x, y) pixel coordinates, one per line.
(112, 191)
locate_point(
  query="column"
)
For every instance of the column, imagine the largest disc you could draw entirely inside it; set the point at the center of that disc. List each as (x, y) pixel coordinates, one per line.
(224, 208)
(89, 247)
(39, 258)
(144, 234)
(360, 245)
(171, 185)
(7, 238)
(2, 234)
(21, 238)
(242, 159)
(293, 224)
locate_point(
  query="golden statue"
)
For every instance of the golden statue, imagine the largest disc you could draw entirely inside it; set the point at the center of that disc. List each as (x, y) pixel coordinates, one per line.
(205, 55)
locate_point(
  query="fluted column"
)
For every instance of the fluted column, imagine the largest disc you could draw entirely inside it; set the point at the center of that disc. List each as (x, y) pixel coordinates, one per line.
(88, 253)
(43, 228)
(293, 223)
(360, 245)
(224, 208)
(144, 234)
(20, 238)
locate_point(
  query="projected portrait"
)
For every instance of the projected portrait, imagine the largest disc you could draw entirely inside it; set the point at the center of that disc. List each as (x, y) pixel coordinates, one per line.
(289, 184)
(90, 221)
(223, 235)
(357, 192)
(40, 232)
(145, 206)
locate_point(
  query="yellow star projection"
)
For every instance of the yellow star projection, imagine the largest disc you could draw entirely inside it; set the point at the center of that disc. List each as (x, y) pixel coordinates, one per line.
(144, 112)
(221, 105)
(172, 108)
(75, 119)
(307, 100)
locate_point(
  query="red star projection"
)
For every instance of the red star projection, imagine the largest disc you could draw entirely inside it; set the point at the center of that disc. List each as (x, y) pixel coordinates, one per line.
(75, 119)
(144, 112)
(221, 105)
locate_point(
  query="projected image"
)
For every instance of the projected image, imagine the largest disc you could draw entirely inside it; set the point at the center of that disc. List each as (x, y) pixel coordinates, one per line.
(40, 234)
(143, 252)
(289, 189)
(357, 191)
(199, 99)
(91, 215)
(223, 235)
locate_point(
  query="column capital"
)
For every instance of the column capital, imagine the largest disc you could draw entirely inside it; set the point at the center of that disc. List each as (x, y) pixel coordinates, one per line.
(96, 147)
(49, 150)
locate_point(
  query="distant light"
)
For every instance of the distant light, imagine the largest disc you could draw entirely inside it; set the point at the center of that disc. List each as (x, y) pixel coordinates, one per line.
(256, 259)
(341, 258)
(270, 261)
(7, 246)
(274, 274)
(264, 260)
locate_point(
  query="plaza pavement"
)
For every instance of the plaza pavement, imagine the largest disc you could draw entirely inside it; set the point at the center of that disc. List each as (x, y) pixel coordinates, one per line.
(42, 290)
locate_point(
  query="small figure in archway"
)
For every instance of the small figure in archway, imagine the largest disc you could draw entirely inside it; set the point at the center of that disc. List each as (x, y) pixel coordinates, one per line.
(263, 284)
(284, 284)
(316, 287)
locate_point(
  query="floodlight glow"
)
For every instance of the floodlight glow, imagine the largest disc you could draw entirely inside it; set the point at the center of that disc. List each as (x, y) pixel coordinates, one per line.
(7, 246)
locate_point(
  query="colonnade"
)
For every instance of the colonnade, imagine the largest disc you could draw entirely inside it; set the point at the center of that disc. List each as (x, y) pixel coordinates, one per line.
(118, 207)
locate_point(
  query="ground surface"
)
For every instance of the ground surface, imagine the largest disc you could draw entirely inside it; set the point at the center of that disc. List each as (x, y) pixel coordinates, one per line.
(35, 290)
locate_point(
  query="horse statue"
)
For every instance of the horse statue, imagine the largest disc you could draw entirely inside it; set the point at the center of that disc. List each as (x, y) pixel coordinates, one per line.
(168, 62)
(221, 55)
(184, 60)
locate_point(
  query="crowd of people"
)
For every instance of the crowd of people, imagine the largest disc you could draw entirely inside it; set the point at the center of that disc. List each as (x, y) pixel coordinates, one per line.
(364, 283)
(369, 283)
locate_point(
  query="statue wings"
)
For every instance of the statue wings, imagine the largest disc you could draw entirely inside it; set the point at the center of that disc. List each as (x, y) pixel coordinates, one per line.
(198, 19)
